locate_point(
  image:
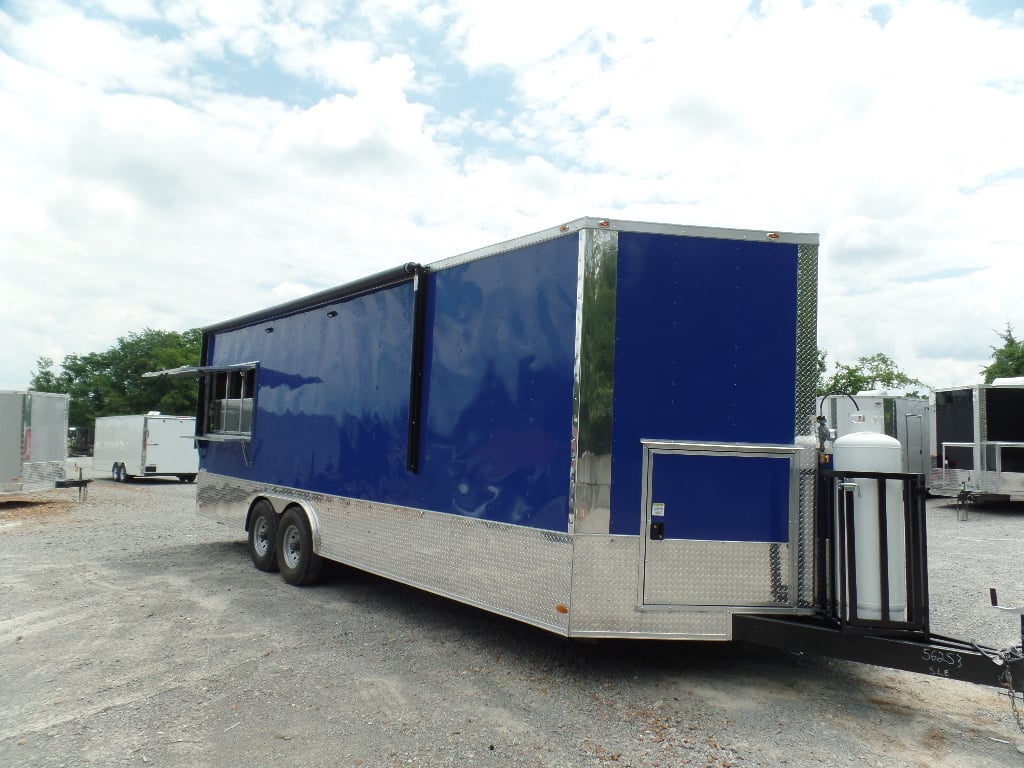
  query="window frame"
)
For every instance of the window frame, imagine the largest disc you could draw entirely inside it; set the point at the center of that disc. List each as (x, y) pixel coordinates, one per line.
(208, 386)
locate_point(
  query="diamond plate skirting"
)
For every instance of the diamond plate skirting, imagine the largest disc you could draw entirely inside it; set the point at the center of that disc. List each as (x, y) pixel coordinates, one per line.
(523, 573)
(36, 476)
(518, 572)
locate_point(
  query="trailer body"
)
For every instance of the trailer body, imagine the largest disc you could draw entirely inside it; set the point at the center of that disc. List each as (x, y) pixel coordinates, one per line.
(551, 428)
(149, 445)
(907, 419)
(979, 438)
(33, 440)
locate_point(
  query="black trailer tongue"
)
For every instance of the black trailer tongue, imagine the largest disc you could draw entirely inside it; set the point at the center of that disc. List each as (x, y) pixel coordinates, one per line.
(924, 654)
(895, 634)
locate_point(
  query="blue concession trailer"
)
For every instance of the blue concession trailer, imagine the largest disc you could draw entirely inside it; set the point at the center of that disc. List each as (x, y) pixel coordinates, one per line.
(605, 429)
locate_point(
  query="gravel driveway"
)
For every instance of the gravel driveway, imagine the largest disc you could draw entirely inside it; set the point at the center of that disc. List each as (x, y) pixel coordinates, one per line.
(135, 633)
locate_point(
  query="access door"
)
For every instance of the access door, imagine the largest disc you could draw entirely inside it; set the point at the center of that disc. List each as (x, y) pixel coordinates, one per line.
(914, 445)
(719, 523)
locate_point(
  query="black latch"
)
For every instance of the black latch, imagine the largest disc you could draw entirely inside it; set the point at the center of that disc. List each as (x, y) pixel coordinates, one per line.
(657, 531)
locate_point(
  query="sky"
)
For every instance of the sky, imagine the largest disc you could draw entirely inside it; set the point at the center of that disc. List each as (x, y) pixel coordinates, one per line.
(173, 164)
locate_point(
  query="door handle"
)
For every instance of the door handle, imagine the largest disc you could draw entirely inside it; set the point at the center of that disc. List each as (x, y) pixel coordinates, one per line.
(657, 531)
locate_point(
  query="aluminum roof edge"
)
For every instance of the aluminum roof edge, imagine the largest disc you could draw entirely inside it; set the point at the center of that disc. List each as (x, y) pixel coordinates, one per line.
(408, 270)
(623, 225)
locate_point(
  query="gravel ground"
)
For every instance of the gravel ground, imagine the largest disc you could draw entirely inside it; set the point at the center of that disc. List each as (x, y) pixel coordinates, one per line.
(136, 633)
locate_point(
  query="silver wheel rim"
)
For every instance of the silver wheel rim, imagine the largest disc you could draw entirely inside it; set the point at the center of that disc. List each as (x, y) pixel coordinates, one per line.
(261, 537)
(292, 549)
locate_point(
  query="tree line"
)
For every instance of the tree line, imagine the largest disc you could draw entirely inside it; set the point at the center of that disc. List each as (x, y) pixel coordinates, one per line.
(878, 371)
(110, 383)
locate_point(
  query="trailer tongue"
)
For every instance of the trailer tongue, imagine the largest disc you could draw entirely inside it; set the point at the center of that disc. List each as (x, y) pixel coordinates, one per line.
(925, 654)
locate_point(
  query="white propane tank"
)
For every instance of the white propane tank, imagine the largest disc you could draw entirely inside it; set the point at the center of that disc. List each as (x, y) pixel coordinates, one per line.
(873, 452)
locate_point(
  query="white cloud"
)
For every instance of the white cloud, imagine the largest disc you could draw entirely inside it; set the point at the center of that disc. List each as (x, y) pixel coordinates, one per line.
(100, 55)
(150, 190)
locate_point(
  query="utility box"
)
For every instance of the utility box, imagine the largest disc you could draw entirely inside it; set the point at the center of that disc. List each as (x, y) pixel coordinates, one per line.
(151, 445)
(33, 440)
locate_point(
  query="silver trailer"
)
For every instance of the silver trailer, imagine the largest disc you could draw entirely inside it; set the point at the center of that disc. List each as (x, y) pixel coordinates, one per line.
(908, 419)
(979, 442)
(33, 440)
(149, 445)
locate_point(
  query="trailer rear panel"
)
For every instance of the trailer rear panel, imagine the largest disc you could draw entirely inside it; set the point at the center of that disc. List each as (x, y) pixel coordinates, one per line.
(33, 440)
(979, 432)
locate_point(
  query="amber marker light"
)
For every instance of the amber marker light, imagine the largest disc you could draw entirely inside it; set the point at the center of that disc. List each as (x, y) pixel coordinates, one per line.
(562, 608)
(604, 223)
(773, 235)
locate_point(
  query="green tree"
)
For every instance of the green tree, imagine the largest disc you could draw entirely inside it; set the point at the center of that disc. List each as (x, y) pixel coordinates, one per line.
(110, 383)
(877, 371)
(821, 368)
(1007, 360)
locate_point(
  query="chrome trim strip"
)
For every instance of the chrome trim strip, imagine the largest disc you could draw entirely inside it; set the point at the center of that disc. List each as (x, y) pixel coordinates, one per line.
(594, 382)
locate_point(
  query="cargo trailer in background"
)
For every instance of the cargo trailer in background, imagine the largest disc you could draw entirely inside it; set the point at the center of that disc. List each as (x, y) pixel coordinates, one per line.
(908, 419)
(979, 442)
(150, 445)
(605, 429)
(33, 440)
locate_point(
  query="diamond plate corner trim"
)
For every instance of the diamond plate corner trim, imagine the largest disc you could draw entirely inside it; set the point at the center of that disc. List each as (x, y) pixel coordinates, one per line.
(806, 338)
(803, 427)
(807, 464)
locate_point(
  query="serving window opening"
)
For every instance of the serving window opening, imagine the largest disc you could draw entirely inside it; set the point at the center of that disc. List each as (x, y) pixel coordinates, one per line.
(229, 400)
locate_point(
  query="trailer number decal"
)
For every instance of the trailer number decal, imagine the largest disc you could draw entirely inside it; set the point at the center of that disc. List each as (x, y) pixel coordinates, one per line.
(942, 662)
(658, 509)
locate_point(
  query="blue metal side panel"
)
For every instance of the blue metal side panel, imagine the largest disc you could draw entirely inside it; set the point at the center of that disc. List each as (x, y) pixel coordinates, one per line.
(714, 496)
(332, 398)
(332, 393)
(499, 373)
(705, 351)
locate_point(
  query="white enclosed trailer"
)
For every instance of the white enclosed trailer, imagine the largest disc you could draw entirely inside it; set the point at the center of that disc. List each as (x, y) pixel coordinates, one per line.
(33, 440)
(146, 446)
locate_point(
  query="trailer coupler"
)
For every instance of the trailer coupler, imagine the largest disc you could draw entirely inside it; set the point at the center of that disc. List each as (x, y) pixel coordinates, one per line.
(924, 654)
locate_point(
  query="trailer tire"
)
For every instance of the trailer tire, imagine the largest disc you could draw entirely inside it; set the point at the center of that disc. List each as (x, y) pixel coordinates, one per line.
(298, 562)
(263, 536)
(115, 472)
(122, 474)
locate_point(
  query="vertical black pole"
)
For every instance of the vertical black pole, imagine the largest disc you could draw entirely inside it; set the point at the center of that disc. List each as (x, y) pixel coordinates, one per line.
(883, 550)
(419, 314)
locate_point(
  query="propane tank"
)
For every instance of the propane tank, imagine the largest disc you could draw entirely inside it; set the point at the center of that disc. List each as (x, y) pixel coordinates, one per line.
(874, 452)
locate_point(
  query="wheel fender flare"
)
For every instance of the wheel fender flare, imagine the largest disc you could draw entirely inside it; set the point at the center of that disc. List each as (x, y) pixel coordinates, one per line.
(280, 504)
